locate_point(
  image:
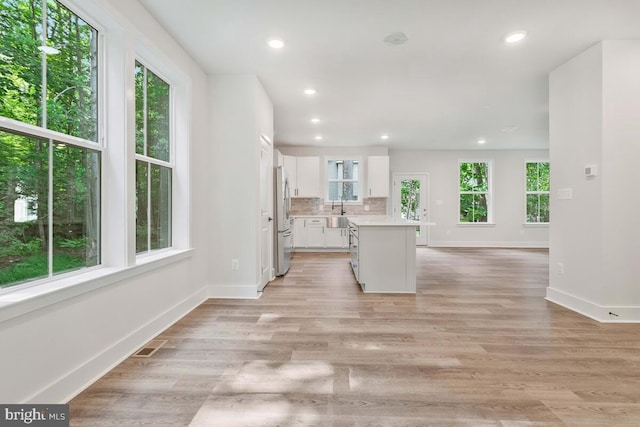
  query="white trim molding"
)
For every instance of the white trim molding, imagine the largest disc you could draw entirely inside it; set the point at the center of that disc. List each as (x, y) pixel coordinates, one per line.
(34, 297)
(72, 383)
(489, 244)
(232, 291)
(603, 314)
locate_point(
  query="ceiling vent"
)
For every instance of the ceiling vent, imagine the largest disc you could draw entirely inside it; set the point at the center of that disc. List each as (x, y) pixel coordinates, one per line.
(396, 39)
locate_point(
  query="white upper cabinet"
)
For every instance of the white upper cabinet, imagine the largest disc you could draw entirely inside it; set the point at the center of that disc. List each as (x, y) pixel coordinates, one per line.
(290, 169)
(378, 176)
(304, 175)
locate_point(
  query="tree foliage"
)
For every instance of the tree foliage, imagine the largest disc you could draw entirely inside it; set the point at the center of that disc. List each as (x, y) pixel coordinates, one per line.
(474, 189)
(153, 182)
(538, 178)
(71, 107)
(410, 199)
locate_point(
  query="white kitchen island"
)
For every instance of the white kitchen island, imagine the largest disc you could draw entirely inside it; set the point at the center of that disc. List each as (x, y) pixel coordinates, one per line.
(383, 254)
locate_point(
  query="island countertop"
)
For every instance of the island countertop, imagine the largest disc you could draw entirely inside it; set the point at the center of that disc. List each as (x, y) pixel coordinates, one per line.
(381, 221)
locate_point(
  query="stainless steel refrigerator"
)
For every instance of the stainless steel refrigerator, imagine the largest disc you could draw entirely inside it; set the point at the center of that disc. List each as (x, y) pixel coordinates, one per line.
(283, 238)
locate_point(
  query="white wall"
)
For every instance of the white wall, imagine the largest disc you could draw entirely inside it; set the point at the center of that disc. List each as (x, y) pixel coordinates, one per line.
(508, 196)
(576, 136)
(595, 120)
(50, 353)
(620, 163)
(240, 111)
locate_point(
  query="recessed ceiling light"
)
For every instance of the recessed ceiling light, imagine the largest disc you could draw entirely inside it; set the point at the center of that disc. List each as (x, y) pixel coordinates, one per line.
(385, 136)
(49, 50)
(310, 91)
(482, 141)
(515, 37)
(318, 137)
(315, 120)
(276, 44)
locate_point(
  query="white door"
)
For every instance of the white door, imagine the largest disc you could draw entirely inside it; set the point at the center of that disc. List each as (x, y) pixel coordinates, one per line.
(266, 213)
(410, 201)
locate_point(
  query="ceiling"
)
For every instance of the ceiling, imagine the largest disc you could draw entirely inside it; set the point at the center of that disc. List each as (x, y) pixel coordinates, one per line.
(453, 82)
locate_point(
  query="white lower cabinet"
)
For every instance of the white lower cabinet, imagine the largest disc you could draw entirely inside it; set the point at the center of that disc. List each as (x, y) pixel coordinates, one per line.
(383, 258)
(336, 238)
(299, 233)
(313, 233)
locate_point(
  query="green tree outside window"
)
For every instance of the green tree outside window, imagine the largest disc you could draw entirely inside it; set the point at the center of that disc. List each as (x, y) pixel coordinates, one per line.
(474, 192)
(537, 192)
(153, 172)
(49, 190)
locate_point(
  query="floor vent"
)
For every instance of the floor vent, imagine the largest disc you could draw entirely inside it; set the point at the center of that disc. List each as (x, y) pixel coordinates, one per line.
(149, 348)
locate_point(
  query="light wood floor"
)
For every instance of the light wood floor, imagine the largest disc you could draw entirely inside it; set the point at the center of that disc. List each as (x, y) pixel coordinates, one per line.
(477, 346)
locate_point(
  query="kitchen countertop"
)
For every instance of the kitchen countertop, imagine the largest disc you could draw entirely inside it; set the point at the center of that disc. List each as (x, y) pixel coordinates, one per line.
(381, 221)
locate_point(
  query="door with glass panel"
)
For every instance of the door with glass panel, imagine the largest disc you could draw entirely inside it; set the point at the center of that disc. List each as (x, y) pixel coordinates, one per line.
(410, 201)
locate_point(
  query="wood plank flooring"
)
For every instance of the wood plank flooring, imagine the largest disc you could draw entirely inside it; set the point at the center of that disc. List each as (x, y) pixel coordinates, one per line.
(476, 346)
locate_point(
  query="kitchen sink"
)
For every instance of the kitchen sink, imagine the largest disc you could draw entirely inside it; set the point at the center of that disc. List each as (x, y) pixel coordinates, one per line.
(337, 222)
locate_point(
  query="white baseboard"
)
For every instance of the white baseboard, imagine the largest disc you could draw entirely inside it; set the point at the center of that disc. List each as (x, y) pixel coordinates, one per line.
(72, 383)
(232, 291)
(489, 244)
(345, 250)
(604, 314)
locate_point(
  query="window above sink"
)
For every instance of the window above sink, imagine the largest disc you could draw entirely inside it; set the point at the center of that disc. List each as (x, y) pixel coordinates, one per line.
(343, 179)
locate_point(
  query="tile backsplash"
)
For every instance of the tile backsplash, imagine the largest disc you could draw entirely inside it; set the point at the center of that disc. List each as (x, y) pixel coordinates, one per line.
(312, 206)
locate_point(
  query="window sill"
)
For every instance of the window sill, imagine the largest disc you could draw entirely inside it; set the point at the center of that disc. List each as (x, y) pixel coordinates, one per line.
(32, 298)
(476, 224)
(536, 225)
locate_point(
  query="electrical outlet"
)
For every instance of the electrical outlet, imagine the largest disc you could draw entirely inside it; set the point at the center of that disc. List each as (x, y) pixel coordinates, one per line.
(235, 264)
(560, 268)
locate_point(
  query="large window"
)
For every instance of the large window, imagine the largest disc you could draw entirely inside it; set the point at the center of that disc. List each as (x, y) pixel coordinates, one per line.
(343, 180)
(49, 156)
(153, 161)
(475, 192)
(537, 192)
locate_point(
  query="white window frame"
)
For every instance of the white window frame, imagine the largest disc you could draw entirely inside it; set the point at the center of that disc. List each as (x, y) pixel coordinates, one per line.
(119, 46)
(153, 161)
(327, 181)
(526, 192)
(98, 146)
(489, 193)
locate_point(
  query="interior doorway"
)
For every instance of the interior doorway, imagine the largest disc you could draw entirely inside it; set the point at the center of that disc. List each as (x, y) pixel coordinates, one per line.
(411, 201)
(266, 212)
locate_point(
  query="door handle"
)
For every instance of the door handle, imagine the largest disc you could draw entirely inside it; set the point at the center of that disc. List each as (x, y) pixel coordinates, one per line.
(270, 219)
